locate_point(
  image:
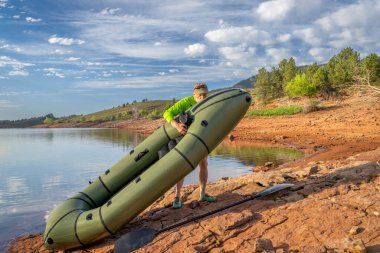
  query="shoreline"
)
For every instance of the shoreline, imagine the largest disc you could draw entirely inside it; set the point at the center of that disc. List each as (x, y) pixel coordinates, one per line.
(339, 176)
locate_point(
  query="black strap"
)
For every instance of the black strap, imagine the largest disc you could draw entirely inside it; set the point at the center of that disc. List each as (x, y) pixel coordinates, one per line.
(200, 139)
(214, 95)
(92, 201)
(63, 216)
(187, 160)
(240, 94)
(88, 203)
(104, 185)
(76, 232)
(104, 224)
(166, 133)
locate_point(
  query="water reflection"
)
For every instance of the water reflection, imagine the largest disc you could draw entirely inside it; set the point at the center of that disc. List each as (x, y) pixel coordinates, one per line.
(256, 156)
(41, 167)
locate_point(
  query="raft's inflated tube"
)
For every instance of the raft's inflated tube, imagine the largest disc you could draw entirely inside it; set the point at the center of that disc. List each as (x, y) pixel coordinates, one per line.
(139, 179)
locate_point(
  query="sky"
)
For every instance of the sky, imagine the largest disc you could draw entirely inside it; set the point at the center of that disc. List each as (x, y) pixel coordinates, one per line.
(77, 57)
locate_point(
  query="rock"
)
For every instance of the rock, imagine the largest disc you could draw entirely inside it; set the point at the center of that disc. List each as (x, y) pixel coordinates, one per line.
(260, 168)
(355, 230)
(313, 170)
(356, 246)
(269, 164)
(194, 204)
(231, 137)
(307, 190)
(159, 214)
(376, 213)
(263, 245)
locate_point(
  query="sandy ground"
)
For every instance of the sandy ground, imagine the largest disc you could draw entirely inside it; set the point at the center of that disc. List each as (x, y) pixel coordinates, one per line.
(333, 207)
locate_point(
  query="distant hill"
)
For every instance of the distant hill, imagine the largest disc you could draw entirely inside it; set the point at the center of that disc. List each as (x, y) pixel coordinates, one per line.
(145, 109)
(247, 83)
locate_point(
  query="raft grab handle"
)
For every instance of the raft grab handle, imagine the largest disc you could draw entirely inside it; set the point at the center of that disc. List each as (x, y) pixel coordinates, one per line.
(141, 154)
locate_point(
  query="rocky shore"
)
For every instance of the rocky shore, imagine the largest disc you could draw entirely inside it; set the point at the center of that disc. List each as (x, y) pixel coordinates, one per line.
(333, 207)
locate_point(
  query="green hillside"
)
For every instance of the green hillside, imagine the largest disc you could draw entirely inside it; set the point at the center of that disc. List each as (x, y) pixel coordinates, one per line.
(145, 109)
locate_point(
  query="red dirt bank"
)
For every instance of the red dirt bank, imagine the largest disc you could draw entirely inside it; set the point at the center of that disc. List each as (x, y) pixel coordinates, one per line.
(334, 207)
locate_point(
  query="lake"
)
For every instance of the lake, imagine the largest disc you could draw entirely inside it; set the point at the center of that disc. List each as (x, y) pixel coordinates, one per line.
(39, 168)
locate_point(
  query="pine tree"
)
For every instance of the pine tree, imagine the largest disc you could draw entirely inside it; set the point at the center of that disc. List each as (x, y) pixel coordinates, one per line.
(262, 91)
(343, 67)
(321, 81)
(277, 83)
(370, 70)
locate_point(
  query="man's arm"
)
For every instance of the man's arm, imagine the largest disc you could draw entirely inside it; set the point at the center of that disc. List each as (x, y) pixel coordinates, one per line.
(181, 106)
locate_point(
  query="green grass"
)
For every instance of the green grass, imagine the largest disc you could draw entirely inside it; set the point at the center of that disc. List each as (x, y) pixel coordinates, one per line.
(279, 111)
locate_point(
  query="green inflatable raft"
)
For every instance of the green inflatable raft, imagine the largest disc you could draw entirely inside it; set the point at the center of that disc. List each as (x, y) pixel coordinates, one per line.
(140, 178)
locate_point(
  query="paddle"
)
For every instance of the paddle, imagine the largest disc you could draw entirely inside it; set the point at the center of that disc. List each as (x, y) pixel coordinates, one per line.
(139, 238)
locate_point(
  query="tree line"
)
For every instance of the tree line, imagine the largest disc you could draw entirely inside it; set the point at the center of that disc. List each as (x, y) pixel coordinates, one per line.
(342, 70)
(26, 122)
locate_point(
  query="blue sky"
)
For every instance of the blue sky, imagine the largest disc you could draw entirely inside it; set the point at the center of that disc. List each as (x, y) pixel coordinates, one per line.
(74, 57)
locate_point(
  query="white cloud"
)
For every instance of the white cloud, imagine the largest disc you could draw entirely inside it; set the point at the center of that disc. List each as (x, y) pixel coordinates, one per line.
(10, 47)
(241, 55)
(321, 54)
(275, 9)
(354, 24)
(53, 72)
(362, 14)
(309, 35)
(57, 51)
(161, 73)
(173, 70)
(238, 35)
(33, 20)
(196, 49)
(277, 54)
(14, 93)
(109, 11)
(284, 37)
(3, 3)
(65, 41)
(18, 73)
(16, 16)
(185, 77)
(72, 59)
(4, 104)
(6, 61)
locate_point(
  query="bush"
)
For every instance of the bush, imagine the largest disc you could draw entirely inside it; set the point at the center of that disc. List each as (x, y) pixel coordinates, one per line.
(155, 114)
(48, 120)
(290, 110)
(300, 86)
(143, 113)
(312, 106)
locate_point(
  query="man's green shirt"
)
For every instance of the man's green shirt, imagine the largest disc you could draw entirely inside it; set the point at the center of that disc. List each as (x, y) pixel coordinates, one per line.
(181, 106)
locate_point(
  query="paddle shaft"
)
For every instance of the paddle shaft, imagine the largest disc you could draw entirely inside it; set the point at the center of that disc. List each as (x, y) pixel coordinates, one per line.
(209, 213)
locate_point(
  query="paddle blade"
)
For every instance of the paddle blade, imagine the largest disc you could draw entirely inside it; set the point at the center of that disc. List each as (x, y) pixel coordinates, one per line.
(273, 189)
(134, 240)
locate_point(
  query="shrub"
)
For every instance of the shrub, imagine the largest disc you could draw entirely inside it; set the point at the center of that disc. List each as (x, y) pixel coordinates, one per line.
(312, 106)
(48, 120)
(289, 110)
(155, 114)
(300, 86)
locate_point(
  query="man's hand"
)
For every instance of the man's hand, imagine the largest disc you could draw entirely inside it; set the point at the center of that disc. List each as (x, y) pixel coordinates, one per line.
(181, 128)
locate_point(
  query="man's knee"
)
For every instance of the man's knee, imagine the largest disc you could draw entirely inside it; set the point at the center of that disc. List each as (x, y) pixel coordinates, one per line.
(203, 164)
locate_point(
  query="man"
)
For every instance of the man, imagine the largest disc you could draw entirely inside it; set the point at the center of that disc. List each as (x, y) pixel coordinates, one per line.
(199, 93)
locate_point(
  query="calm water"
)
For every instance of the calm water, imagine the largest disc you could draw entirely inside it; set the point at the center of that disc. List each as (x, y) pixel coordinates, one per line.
(41, 167)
